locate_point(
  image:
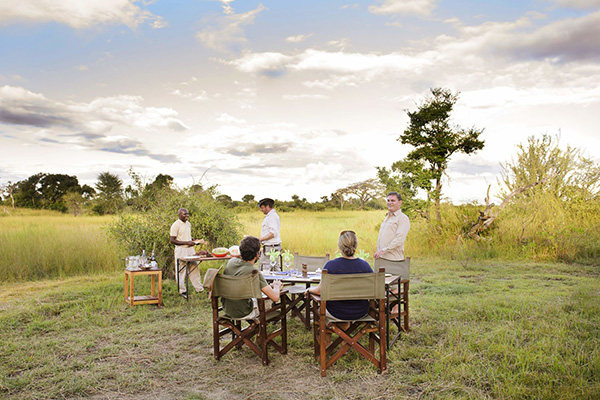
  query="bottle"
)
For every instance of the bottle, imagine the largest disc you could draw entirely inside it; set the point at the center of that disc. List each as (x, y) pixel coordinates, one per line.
(304, 270)
(143, 259)
(153, 262)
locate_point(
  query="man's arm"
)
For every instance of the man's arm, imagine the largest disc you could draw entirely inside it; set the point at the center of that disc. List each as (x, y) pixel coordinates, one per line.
(314, 289)
(271, 228)
(399, 238)
(186, 242)
(273, 292)
(268, 236)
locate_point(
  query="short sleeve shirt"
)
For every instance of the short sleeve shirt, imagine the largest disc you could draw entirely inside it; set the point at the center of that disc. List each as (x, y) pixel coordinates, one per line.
(271, 224)
(182, 232)
(240, 308)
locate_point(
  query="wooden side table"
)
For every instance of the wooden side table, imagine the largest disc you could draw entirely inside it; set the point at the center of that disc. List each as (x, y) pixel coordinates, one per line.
(153, 298)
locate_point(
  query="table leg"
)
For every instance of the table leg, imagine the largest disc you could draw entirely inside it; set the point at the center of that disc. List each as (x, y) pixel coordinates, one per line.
(152, 289)
(126, 286)
(405, 295)
(160, 289)
(131, 292)
(387, 318)
(187, 278)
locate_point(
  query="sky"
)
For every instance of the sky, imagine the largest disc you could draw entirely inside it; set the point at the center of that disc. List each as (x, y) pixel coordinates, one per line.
(275, 98)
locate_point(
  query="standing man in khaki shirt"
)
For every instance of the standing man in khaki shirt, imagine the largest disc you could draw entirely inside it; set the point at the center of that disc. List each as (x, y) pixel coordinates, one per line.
(393, 231)
(181, 237)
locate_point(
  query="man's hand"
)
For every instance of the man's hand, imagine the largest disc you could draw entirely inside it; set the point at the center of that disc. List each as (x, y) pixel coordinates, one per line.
(199, 241)
(378, 253)
(277, 285)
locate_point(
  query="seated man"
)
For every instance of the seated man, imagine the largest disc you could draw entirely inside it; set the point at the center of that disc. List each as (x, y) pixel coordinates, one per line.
(249, 252)
(346, 264)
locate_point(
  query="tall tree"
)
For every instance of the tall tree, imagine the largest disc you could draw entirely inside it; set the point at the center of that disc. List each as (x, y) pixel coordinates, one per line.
(54, 186)
(366, 190)
(27, 192)
(110, 193)
(407, 177)
(435, 140)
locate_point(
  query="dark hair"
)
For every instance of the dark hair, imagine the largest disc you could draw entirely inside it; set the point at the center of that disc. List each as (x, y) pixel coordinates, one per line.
(395, 194)
(266, 202)
(249, 247)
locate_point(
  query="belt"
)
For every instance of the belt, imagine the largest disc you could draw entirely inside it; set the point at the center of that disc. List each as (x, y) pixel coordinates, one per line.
(271, 245)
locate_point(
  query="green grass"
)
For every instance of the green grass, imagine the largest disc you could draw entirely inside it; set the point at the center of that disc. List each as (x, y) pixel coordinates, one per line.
(492, 331)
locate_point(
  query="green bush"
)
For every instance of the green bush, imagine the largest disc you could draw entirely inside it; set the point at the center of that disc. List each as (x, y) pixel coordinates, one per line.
(210, 220)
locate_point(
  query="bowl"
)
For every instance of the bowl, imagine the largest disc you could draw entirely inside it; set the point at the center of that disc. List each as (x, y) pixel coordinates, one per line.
(234, 251)
(220, 251)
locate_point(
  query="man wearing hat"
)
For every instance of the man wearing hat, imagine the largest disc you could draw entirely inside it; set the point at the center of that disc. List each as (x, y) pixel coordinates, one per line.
(269, 233)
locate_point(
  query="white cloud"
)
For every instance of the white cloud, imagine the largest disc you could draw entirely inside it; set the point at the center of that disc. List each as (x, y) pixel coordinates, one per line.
(297, 38)
(578, 4)
(262, 63)
(201, 96)
(334, 62)
(334, 82)
(81, 67)
(413, 7)
(229, 31)
(304, 96)
(228, 119)
(86, 124)
(78, 14)
(566, 40)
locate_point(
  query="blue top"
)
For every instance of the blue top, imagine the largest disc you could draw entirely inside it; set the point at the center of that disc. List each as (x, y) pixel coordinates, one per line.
(348, 309)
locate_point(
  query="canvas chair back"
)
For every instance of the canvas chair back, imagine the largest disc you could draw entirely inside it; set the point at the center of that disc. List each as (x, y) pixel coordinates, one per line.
(313, 263)
(209, 279)
(401, 268)
(237, 287)
(353, 286)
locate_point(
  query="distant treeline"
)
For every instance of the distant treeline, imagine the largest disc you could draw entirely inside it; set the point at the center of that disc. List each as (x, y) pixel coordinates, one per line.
(62, 192)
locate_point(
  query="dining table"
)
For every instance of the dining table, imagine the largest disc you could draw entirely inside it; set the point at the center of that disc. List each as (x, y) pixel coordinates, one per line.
(191, 263)
(391, 282)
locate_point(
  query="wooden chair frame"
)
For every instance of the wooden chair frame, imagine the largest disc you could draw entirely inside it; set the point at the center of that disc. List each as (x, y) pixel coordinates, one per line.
(399, 297)
(299, 304)
(245, 287)
(356, 287)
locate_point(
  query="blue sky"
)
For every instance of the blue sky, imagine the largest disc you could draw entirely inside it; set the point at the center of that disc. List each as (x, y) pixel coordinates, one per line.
(286, 97)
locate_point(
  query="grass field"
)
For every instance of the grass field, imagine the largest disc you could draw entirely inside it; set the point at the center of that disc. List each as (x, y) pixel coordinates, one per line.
(494, 331)
(480, 329)
(37, 244)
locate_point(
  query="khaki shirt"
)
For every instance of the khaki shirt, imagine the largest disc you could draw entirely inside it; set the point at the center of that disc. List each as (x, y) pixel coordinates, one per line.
(392, 235)
(182, 232)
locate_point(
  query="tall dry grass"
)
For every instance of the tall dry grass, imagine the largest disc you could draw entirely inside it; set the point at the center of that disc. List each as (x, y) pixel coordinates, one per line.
(46, 244)
(316, 233)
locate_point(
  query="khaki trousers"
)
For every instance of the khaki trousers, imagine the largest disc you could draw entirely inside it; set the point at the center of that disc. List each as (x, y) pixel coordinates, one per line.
(194, 276)
(266, 261)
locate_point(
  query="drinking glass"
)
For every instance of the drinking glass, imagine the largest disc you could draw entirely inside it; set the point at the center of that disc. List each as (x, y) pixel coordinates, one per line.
(273, 263)
(267, 268)
(287, 264)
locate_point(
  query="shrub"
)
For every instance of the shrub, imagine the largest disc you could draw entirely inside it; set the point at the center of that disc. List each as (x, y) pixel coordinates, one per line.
(210, 221)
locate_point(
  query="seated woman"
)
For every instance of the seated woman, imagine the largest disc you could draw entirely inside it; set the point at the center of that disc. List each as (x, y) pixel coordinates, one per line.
(346, 264)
